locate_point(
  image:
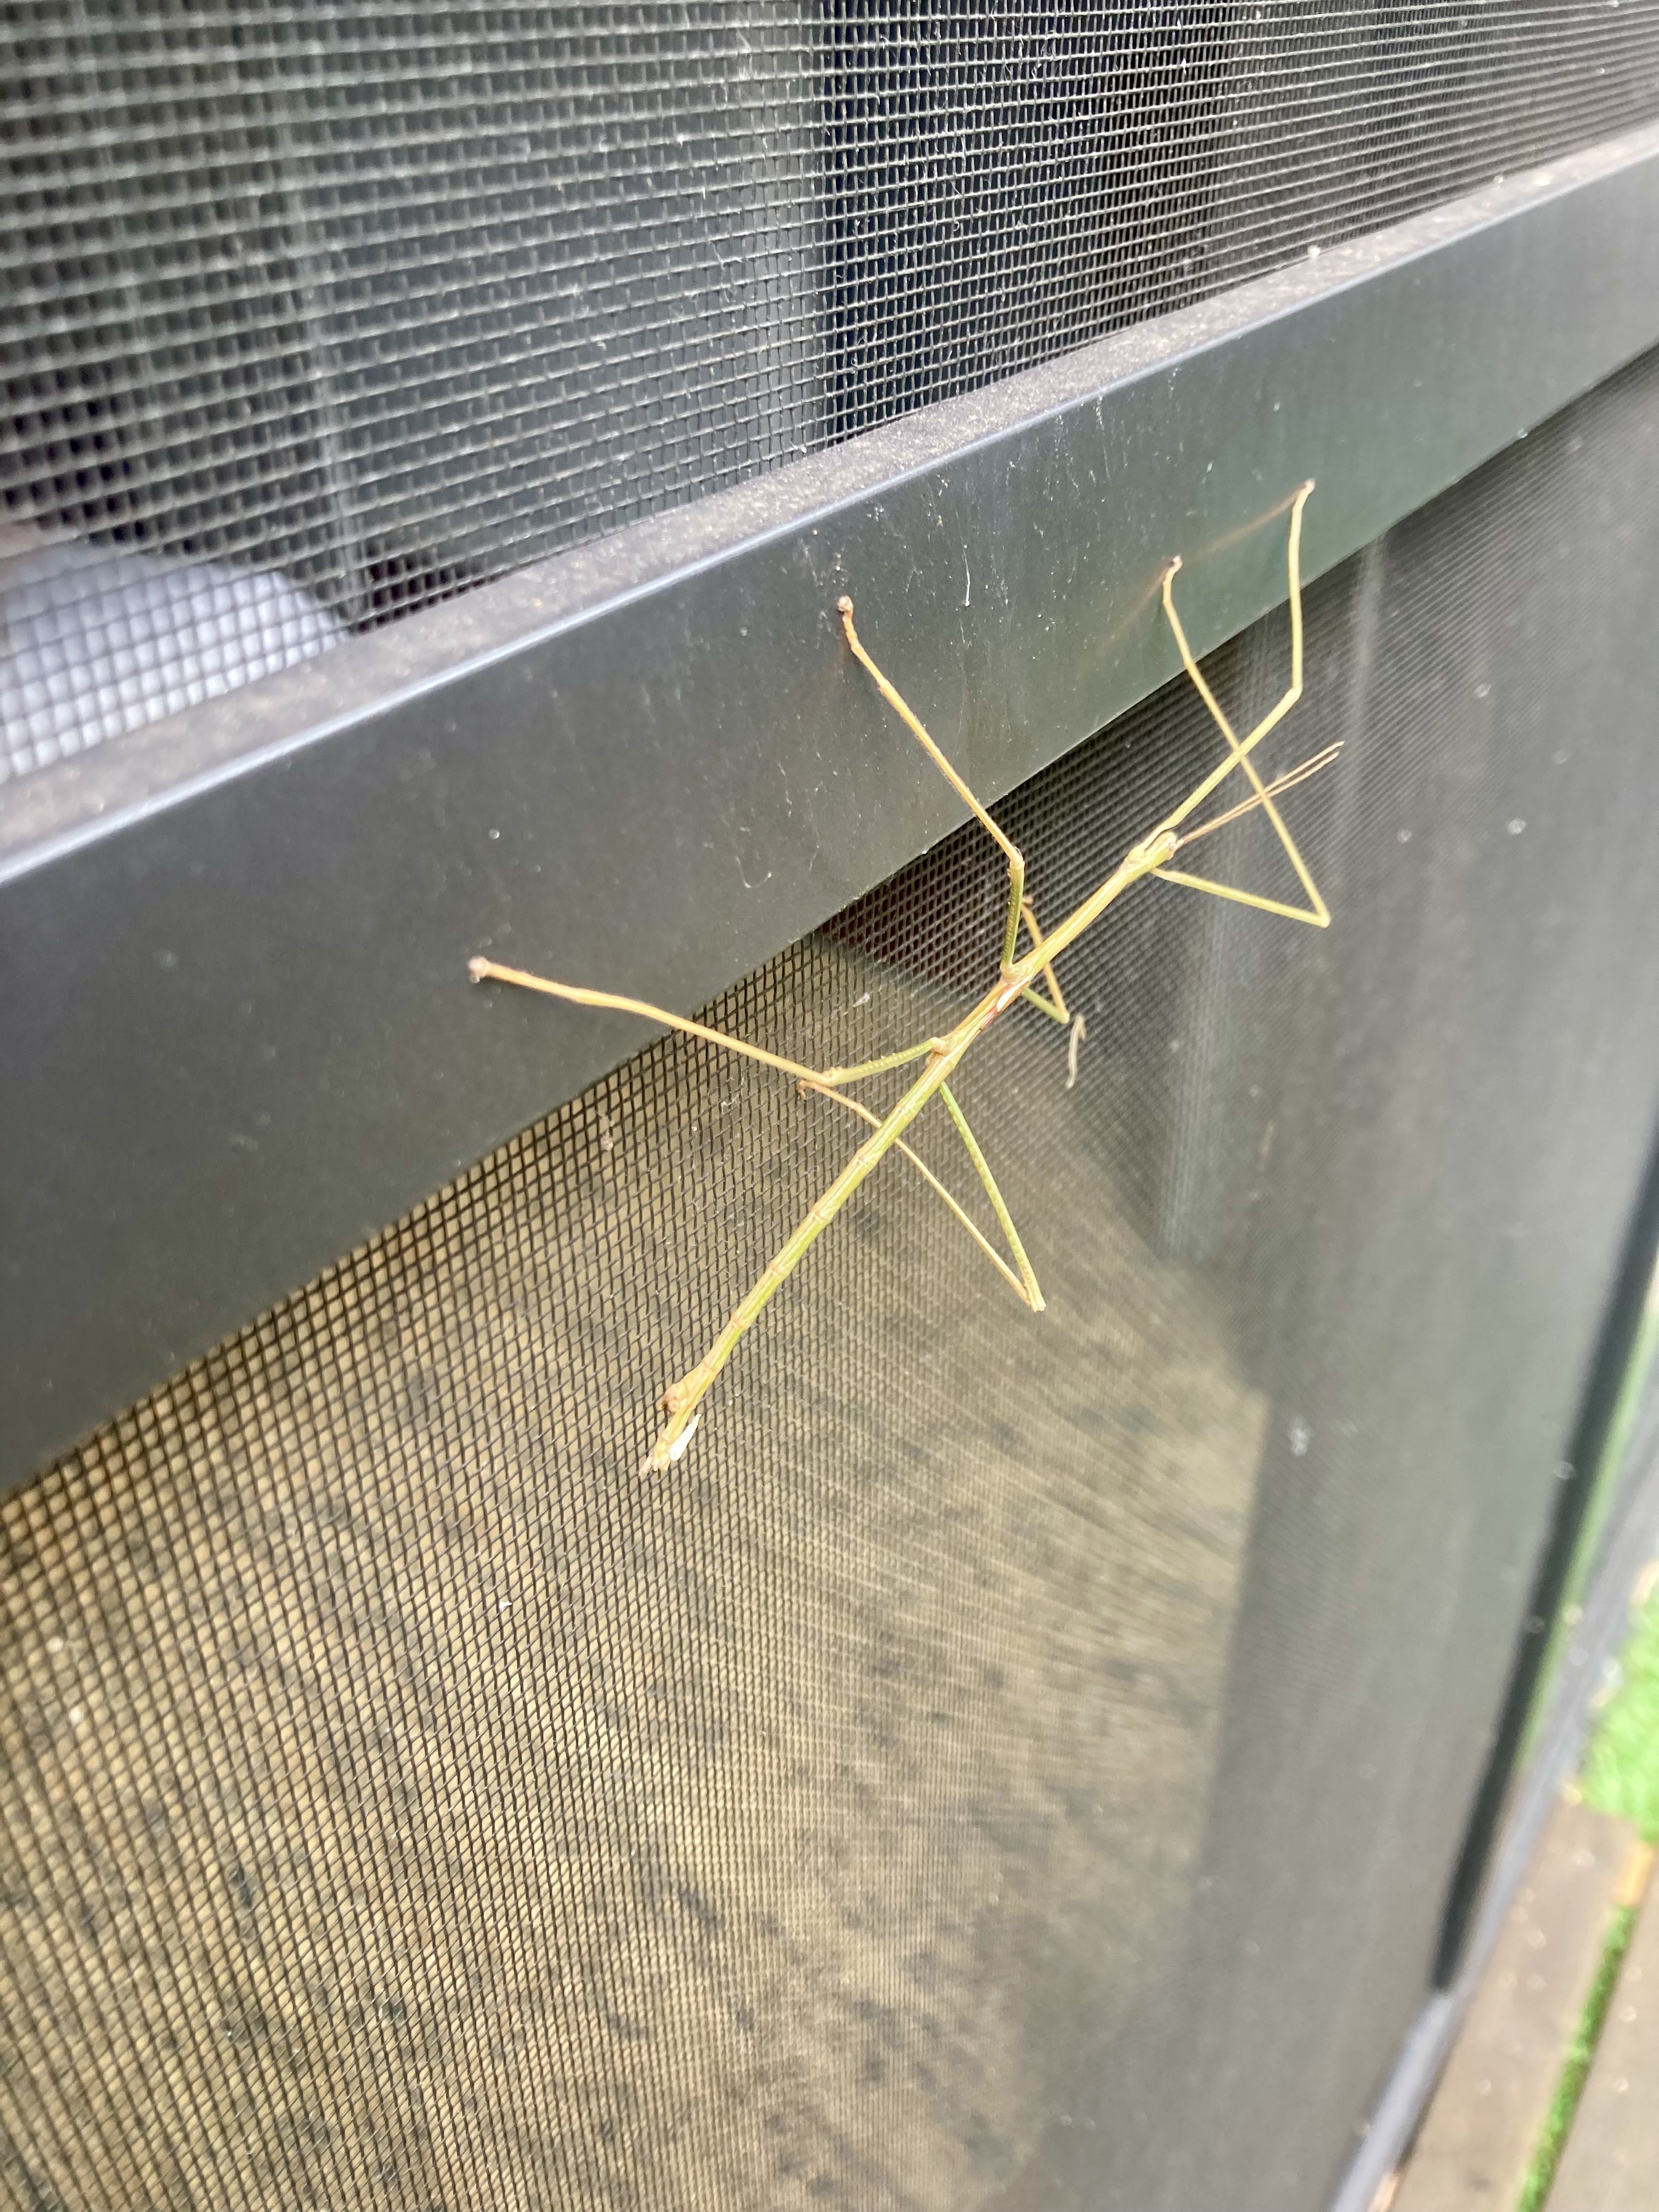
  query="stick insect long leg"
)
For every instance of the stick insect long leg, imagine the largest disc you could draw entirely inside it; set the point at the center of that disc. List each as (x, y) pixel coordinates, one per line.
(1054, 1005)
(1316, 912)
(1020, 911)
(1023, 1290)
(983, 1169)
(912, 721)
(827, 1082)
(492, 971)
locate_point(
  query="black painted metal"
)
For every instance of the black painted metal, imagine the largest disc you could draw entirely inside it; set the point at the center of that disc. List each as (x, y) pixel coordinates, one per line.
(1177, 1623)
(1619, 1329)
(235, 944)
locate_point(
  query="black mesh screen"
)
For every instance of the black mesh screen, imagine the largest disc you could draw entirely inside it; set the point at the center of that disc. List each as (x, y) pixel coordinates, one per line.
(1010, 1761)
(316, 314)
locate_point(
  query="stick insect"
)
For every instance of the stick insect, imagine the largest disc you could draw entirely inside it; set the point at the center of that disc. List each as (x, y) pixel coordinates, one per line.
(1028, 976)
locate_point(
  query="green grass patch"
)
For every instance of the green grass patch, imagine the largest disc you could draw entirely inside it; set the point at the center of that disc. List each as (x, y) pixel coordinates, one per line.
(1604, 1484)
(1621, 1769)
(1621, 1775)
(1558, 2124)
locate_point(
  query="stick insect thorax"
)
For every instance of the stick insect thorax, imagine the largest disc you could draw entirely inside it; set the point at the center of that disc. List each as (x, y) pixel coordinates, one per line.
(1019, 976)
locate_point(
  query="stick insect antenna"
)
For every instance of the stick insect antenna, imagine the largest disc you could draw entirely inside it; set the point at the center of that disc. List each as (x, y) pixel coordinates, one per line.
(1284, 783)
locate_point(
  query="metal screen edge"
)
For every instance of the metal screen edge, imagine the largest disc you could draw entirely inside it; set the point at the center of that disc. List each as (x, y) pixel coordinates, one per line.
(232, 951)
(1404, 2099)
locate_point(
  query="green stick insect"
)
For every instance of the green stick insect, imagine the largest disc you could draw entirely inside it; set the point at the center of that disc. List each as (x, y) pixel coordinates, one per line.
(1020, 976)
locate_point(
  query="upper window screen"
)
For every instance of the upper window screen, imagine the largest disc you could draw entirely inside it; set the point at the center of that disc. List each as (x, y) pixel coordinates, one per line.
(322, 313)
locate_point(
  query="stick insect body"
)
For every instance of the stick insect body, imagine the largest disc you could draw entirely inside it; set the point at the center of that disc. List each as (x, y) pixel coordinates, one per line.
(1029, 976)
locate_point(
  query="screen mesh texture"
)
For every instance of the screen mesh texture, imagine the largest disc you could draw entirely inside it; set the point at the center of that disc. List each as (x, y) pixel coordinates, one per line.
(1012, 1760)
(317, 314)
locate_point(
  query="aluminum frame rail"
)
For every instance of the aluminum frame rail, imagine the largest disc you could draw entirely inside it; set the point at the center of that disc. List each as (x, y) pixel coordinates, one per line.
(239, 1032)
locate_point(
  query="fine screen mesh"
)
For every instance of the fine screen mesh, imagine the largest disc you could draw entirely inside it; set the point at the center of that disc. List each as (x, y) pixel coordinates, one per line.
(319, 314)
(1011, 1760)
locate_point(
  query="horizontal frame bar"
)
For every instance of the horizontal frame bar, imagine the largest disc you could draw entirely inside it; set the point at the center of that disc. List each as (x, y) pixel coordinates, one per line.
(233, 945)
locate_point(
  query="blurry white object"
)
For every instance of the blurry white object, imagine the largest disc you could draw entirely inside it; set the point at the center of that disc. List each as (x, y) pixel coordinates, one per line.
(94, 639)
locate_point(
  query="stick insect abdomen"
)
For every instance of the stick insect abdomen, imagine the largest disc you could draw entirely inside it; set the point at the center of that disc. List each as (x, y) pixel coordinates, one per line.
(681, 1400)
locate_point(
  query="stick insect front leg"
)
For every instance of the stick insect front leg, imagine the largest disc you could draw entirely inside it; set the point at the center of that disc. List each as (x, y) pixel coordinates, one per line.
(826, 1078)
(1016, 858)
(1020, 908)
